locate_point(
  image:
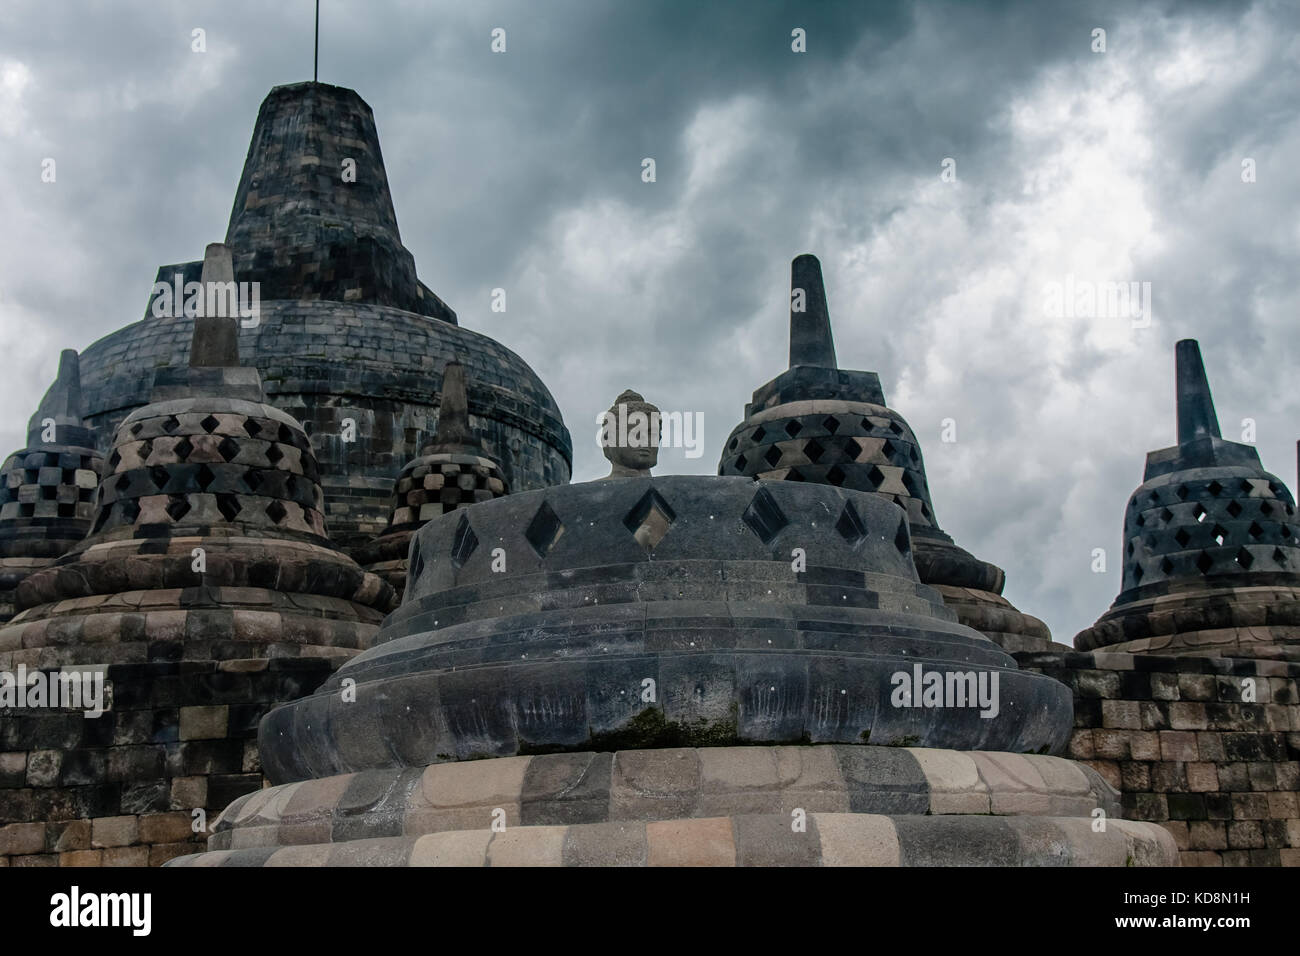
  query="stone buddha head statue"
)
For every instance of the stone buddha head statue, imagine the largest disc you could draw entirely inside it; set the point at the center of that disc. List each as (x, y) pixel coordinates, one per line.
(629, 436)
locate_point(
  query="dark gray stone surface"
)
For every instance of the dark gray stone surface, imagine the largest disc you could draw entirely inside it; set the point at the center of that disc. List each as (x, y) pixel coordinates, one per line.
(819, 423)
(553, 653)
(346, 330)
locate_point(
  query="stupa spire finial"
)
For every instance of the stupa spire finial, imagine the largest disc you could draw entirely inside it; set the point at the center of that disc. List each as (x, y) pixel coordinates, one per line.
(216, 337)
(811, 342)
(453, 411)
(1196, 416)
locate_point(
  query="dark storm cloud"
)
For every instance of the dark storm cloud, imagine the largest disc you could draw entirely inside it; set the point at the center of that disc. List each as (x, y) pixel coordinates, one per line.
(522, 171)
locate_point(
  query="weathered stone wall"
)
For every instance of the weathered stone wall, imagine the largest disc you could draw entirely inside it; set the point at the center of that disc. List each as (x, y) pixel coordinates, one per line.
(1175, 737)
(119, 789)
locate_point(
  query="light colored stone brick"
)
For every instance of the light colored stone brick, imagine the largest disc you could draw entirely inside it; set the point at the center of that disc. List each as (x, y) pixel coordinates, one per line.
(166, 827)
(114, 831)
(1202, 778)
(857, 839)
(20, 839)
(528, 846)
(82, 858)
(457, 848)
(126, 856)
(702, 842)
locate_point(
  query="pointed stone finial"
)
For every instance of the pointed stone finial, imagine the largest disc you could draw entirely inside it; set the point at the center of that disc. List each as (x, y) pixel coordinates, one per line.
(810, 327)
(216, 337)
(62, 401)
(1196, 416)
(453, 434)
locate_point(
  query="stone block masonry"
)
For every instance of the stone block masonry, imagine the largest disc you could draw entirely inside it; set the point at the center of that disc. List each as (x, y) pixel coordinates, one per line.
(120, 789)
(1175, 736)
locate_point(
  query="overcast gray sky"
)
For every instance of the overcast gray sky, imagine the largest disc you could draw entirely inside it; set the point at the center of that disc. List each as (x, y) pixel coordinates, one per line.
(522, 170)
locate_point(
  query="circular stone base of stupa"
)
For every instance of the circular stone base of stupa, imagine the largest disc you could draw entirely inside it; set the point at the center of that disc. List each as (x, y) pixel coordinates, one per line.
(725, 806)
(1261, 622)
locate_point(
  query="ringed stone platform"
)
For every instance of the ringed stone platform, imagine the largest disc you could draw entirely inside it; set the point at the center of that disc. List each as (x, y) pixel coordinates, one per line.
(731, 806)
(644, 612)
(822, 424)
(635, 671)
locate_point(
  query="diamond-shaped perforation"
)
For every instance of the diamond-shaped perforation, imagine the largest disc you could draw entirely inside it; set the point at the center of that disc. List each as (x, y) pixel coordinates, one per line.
(210, 424)
(793, 428)
(764, 516)
(1166, 566)
(875, 476)
(1199, 513)
(741, 462)
(183, 448)
(1234, 509)
(131, 510)
(178, 507)
(1182, 537)
(897, 429)
(851, 448)
(276, 511)
(758, 435)
(464, 543)
(1245, 559)
(252, 480)
(850, 525)
(1219, 533)
(170, 424)
(1204, 562)
(1182, 492)
(773, 456)
(903, 540)
(650, 519)
(229, 506)
(159, 476)
(1138, 572)
(1214, 488)
(544, 530)
(1255, 531)
(204, 477)
(228, 448)
(814, 450)
(252, 428)
(836, 475)
(831, 424)
(274, 455)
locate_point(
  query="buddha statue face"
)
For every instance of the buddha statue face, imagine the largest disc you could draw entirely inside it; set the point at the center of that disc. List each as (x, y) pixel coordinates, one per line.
(629, 436)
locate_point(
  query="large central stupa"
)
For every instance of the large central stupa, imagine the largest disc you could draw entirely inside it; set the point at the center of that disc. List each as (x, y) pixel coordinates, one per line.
(346, 330)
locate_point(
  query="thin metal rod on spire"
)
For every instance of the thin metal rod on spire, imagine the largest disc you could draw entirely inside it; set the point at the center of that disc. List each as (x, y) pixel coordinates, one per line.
(315, 56)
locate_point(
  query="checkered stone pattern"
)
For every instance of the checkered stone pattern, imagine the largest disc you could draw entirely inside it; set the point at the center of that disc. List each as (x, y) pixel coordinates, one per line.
(120, 789)
(433, 485)
(853, 445)
(428, 487)
(1206, 747)
(47, 502)
(1207, 523)
(195, 464)
(687, 806)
